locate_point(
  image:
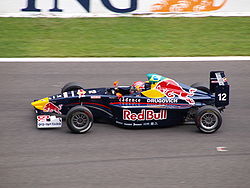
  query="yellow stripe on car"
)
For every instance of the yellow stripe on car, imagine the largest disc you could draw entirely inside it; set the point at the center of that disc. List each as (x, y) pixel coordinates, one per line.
(153, 93)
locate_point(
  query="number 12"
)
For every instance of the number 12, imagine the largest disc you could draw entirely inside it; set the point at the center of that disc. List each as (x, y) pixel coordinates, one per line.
(222, 96)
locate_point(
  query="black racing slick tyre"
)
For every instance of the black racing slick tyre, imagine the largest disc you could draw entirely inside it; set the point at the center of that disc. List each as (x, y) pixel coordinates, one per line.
(71, 86)
(79, 119)
(201, 86)
(208, 119)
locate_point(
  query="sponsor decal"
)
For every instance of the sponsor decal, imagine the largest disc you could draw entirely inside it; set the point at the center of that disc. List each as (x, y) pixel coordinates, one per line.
(95, 97)
(46, 121)
(50, 107)
(65, 95)
(219, 79)
(128, 124)
(124, 99)
(153, 123)
(92, 92)
(168, 100)
(137, 124)
(186, 6)
(42, 118)
(81, 93)
(144, 115)
(171, 88)
(58, 96)
(85, 4)
(118, 122)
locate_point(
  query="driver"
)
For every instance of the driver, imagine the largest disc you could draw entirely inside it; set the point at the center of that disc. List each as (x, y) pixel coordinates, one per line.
(140, 86)
(137, 87)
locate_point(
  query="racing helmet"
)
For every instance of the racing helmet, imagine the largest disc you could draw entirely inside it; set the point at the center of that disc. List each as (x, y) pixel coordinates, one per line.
(138, 86)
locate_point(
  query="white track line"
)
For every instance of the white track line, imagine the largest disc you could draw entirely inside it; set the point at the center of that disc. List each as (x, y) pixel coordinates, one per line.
(133, 14)
(123, 59)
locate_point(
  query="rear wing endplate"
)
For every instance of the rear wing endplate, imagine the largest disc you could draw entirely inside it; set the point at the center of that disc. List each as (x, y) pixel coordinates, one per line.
(219, 85)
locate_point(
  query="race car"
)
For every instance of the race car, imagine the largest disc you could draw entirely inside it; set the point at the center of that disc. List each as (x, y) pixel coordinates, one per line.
(157, 102)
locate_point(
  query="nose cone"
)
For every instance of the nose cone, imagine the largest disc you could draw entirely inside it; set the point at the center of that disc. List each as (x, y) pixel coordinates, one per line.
(39, 104)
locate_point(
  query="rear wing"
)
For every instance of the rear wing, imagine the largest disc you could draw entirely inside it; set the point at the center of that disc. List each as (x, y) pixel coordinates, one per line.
(219, 85)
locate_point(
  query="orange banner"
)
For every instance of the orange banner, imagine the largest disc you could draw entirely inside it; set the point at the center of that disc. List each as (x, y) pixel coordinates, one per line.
(186, 6)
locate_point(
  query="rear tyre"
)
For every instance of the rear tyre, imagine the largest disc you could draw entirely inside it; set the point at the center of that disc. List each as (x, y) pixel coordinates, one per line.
(71, 86)
(201, 86)
(208, 119)
(79, 119)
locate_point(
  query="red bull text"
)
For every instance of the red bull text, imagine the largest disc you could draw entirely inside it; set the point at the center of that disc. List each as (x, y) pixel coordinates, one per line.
(147, 115)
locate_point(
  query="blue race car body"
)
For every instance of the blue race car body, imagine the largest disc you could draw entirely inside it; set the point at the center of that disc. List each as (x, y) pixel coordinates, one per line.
(161, 102)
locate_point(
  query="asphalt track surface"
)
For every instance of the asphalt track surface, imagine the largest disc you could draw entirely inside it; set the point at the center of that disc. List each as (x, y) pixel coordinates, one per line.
(108, 156)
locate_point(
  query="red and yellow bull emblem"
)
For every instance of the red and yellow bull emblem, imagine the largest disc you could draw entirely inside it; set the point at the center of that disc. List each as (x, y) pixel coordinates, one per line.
(50, 107)
(170, 88)
(46, 106)
(186, 6)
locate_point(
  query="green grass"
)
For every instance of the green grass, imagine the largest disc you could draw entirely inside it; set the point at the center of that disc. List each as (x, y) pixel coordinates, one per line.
(124, 37)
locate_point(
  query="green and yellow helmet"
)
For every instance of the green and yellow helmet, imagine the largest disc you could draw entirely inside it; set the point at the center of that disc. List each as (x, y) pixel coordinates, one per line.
(154, 78)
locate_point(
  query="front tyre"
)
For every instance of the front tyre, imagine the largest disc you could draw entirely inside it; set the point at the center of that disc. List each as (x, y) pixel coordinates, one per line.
(208, 119)
(79, 119)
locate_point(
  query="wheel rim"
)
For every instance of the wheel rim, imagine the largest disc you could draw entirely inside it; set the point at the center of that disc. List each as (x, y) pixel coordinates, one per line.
(209, 120)
(80, 120)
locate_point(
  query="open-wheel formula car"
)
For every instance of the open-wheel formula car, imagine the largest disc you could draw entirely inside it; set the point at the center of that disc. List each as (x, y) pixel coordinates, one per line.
(158, 102)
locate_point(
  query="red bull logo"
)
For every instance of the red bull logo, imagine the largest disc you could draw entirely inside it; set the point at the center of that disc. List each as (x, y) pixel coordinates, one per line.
(50, 107)
(147, 115)
(171, 88)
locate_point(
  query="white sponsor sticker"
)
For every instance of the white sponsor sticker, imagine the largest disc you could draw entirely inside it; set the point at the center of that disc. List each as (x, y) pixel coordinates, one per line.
(47, 121)
(165, 100)
(125, 100)
(65, 95)
(95, 97)
(92, 92)
(220, 79)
